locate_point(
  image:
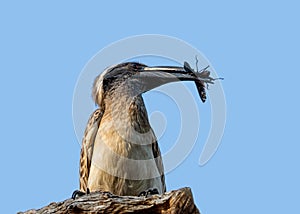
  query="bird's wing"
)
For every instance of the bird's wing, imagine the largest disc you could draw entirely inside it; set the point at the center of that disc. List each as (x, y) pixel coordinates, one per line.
(87, 148)
(159, 164)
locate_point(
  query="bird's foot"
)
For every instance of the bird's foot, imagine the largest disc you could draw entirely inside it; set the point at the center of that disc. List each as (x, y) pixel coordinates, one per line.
(78, 193)
(149, 192)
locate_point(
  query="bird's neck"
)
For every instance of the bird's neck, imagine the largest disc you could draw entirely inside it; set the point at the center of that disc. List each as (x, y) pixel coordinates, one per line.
(127, 111)
(126, 121)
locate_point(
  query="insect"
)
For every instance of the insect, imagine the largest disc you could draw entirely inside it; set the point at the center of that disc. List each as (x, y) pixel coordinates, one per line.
(203, 78)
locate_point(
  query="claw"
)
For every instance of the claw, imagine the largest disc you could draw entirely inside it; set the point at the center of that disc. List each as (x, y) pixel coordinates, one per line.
(142, 194)
(78, 193)
(149, 192)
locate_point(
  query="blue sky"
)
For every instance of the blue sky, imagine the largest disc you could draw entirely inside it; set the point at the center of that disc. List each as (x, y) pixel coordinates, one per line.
(254, 45)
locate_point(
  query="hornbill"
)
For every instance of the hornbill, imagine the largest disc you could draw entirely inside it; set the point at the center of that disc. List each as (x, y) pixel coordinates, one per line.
(119, 152)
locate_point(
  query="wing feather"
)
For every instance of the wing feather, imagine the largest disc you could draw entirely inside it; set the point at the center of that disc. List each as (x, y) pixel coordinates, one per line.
(159, 164)
(87, 147)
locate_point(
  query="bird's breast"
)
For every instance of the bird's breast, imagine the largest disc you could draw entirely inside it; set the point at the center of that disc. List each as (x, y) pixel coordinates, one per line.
(124, 151)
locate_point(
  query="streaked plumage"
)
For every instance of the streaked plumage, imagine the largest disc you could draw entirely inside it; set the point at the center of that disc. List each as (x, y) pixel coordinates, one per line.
(119, 150)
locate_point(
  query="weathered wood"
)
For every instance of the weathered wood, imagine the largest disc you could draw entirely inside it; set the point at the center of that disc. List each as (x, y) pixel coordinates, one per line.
(177, 201)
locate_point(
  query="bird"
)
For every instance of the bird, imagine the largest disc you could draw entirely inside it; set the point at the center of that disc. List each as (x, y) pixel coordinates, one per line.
(120, 153)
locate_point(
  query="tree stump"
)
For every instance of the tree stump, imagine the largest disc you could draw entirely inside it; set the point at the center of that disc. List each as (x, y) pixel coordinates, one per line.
(176, 201)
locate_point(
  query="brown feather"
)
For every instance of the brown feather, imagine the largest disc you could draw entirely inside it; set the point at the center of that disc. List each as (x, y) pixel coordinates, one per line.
(159, 163)
(87, 148)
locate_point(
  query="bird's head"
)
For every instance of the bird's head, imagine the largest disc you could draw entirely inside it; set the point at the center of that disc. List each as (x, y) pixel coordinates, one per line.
(132, 79)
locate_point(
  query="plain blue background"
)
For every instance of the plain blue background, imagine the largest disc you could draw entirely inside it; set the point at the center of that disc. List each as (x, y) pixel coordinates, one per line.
(254, 44)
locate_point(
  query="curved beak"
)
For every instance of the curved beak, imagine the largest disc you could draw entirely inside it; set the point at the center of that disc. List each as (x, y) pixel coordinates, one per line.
(160, 75)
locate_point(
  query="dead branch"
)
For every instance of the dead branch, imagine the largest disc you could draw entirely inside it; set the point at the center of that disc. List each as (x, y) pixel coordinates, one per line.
(177, 201)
